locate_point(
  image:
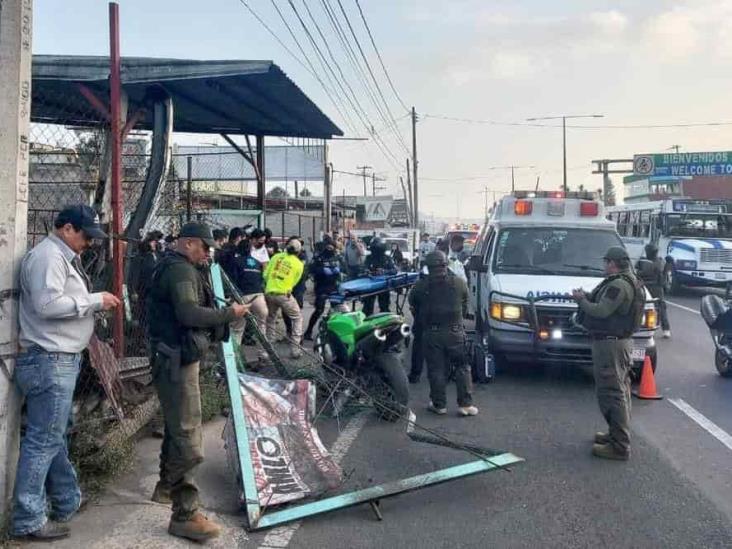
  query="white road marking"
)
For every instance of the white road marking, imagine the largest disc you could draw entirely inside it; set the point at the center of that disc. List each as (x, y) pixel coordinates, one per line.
(683, 307)
(280, 537)
(708, 425)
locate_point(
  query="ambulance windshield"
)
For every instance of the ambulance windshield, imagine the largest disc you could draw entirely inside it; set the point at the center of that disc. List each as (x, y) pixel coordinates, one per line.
(559, 251)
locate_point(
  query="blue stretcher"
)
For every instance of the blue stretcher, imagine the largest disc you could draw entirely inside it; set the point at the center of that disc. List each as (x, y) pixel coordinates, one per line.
(372, 285)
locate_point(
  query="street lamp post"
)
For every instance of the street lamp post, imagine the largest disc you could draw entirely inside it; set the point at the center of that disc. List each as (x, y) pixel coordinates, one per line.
(564, 137)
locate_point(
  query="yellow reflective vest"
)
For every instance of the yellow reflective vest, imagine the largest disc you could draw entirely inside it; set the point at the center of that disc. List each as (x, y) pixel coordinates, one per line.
(283, 272)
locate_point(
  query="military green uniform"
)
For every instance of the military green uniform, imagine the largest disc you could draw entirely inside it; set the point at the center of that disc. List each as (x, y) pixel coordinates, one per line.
(441, 302)
(183, 319)
(608, 316)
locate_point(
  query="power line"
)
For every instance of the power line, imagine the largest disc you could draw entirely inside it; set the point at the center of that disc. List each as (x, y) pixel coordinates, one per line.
(354, 61)
(346, 118)
(356, 64)
(334, 96)
(368, 66)
(335, 62)
(579, 126)
(274, 35)
(381, 61)
(321, 57)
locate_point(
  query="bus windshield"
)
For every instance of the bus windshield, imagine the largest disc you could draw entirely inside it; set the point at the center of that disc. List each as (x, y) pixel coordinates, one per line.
(557, 251)
(698, 224)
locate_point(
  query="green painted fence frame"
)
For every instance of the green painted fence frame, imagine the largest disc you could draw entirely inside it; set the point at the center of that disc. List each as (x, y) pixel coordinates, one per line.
(259, 520)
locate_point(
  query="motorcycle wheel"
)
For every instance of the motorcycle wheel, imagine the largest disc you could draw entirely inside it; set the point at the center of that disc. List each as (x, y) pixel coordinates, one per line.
(723, 364)
(396, 392)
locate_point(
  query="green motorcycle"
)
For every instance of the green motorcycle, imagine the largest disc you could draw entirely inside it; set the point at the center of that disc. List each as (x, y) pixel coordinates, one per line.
(369, 350)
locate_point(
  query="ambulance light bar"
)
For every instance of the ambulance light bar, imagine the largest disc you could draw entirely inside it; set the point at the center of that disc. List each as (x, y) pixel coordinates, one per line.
(582, 195)
(523, 207)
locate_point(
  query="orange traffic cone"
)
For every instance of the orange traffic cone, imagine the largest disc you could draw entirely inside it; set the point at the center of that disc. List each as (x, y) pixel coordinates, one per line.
(647, 388)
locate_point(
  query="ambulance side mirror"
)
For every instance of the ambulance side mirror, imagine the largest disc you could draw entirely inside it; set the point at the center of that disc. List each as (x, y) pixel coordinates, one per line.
(475, 263)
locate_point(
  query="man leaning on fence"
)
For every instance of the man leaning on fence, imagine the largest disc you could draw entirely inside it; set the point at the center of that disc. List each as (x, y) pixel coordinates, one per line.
(56, 322)
(183, 323)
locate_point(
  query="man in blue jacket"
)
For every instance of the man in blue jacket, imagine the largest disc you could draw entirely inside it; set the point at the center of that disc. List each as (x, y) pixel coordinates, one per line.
(326, 272)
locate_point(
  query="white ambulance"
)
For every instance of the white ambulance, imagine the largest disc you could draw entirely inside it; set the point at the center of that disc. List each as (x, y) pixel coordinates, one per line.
(536, 248)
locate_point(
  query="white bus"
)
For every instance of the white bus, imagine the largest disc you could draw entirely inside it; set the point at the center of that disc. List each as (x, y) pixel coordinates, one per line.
(695, 237)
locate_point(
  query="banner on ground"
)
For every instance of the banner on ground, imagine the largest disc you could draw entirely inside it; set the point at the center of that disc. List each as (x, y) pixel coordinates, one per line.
(289, 459)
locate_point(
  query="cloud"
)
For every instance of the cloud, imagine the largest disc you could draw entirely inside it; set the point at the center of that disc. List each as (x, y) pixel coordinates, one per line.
(610, 22)
(675, 34)
(512, 65)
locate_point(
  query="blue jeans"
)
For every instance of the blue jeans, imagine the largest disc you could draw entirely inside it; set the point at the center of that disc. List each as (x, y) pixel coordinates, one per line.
(47, 381)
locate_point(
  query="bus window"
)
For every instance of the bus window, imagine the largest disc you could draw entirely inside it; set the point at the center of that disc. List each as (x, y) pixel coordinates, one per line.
(623, 224)
(645, 222)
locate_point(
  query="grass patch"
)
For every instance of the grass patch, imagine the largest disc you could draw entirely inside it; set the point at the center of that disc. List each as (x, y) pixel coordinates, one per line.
(214, 395)
(98, 466)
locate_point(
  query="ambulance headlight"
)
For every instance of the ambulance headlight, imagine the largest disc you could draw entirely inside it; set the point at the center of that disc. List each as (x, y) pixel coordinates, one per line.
(507, 311)
(685, 264)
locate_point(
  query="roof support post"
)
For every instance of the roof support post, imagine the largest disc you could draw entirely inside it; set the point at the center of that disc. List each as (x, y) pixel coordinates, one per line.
(261, 178)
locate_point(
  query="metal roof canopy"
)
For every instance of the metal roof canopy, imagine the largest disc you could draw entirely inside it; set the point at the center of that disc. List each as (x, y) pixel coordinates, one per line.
(227, 97)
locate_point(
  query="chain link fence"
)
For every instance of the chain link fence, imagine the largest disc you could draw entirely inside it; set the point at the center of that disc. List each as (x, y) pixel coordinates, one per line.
(70, 164)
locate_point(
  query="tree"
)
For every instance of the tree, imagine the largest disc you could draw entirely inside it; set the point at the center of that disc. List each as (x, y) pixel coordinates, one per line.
(305, 193)
(609, 192)
(278, 192)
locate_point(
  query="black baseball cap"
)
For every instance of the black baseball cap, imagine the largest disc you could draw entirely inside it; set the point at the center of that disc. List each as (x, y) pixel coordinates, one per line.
(82, 217)
(196, 229)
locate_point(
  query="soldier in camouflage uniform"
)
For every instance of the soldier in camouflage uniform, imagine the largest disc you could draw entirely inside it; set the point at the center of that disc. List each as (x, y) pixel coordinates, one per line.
(440, 301)
(610, 314)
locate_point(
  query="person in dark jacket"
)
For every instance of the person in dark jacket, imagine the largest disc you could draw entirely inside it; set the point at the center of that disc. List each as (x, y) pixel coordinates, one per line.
(183, 321)
(142, 268)
(440, 302)
(226, 255)
(652, 271)
(250, 281)
(396, 254)
(378, 263)
(326, 272)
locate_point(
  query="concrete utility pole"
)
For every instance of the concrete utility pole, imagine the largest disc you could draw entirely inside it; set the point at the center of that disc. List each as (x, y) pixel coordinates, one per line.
(414, 168)
(16, 24)
(411, 197)
(374, 187)
(327, 189)
(564, 137)
(363, 174)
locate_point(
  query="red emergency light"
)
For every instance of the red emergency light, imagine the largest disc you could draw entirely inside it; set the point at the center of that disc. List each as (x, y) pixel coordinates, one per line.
(589, 209)
(558, 194)
(523, 207)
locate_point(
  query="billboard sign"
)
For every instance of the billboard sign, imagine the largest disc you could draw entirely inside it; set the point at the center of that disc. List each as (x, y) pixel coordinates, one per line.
(683, 164)
(376, 208)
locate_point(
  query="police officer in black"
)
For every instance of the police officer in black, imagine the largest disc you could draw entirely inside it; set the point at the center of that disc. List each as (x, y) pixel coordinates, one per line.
(378, 263)
(440, 302)
(183, 321)
(326, 272)
(652, 270)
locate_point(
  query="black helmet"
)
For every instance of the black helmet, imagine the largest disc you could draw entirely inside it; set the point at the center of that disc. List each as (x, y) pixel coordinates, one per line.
(436, 259)
(377, 245)
(616, 253)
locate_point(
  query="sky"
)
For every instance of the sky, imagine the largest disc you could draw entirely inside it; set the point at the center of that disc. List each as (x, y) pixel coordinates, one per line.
(642, 62)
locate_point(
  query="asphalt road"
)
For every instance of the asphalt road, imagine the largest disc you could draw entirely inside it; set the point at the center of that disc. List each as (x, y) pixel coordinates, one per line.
(674, 492)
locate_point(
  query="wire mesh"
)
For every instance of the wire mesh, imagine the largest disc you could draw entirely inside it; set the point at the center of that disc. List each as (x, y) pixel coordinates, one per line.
(70, 164)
